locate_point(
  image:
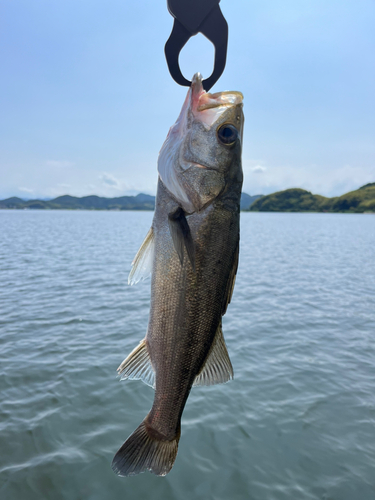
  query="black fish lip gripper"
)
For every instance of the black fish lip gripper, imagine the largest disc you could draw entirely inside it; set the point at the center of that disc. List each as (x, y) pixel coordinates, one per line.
(192, 17)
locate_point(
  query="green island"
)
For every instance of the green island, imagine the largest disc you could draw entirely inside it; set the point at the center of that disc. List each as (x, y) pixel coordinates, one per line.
(361, 200)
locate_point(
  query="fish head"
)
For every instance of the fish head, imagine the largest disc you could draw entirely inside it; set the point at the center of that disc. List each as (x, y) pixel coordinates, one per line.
(201, 155)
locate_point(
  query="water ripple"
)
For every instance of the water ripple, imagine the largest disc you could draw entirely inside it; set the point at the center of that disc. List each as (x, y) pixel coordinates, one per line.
(296, 422)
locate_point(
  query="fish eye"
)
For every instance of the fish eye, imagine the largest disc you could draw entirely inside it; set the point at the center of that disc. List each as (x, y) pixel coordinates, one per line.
(227, 134)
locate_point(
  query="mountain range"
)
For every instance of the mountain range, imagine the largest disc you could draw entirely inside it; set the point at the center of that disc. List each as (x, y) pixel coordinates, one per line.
(290, 200)
(66, 202)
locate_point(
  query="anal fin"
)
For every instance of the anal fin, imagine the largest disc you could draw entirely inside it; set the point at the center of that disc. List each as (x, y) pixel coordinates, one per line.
(181, 235)
(218, 367)
(138, 366)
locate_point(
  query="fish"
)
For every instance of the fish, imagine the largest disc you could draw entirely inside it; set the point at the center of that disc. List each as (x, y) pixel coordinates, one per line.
(191, 252)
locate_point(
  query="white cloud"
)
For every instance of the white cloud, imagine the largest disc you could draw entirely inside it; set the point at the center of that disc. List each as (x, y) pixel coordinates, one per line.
(25, 190)
(259, 169)
(109, 180)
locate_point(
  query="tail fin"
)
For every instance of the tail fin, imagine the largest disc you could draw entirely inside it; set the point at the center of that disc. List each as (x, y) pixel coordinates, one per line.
(141, 452)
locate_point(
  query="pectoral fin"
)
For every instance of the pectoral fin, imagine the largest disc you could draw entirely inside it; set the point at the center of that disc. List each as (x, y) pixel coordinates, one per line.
(231, 281)
(217, 368)
(142, 263)
(181, 235)
(138, 366)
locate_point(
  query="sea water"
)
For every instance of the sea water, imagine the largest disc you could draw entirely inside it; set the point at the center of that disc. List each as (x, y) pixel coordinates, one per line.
(298, 420)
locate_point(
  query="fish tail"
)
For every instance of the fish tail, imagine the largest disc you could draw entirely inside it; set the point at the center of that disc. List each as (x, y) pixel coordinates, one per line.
(145, 449)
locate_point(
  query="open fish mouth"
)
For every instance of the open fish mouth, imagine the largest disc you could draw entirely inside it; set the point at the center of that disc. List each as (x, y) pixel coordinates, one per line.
(226, 99)
(207, 107)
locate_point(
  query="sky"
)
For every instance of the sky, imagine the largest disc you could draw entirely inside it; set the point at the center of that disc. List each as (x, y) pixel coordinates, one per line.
(86, 99)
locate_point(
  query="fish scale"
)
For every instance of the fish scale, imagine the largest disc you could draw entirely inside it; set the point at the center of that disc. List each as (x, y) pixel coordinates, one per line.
(184, 329)
(192, 248)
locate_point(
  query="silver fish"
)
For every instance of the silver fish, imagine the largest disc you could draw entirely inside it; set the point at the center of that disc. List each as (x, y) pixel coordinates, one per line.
(191, 251)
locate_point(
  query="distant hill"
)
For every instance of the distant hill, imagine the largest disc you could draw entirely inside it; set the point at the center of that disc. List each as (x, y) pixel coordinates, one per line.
(140, 202)
(13, 202)
(247, 200)
(298, 200)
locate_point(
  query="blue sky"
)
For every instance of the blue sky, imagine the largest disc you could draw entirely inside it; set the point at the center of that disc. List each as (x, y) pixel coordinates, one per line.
(86, 99)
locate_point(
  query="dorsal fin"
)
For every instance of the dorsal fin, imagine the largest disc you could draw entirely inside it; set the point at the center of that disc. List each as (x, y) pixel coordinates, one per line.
(138, 366)
(142, 263)
(181, 235)
(217, 368)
